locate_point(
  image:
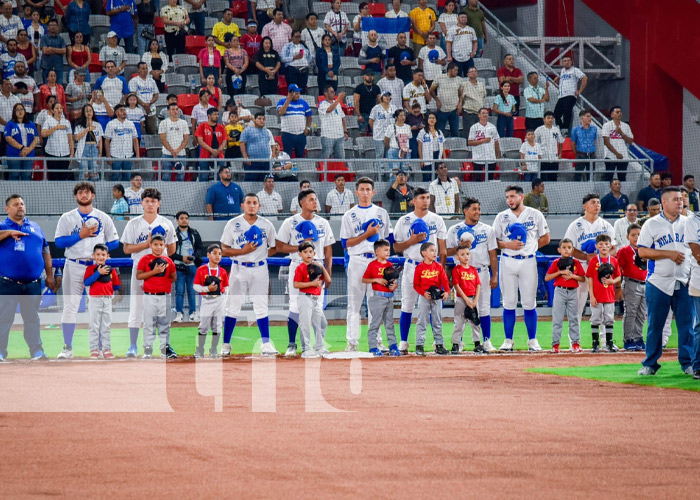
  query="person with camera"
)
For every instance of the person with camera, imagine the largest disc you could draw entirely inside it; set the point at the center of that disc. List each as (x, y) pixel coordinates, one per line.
(187, 258)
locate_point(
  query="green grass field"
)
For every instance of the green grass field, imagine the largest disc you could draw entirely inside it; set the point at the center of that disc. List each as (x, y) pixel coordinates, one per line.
(244, 337)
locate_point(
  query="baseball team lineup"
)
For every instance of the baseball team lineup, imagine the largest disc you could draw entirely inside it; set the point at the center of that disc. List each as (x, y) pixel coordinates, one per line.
(656, 274)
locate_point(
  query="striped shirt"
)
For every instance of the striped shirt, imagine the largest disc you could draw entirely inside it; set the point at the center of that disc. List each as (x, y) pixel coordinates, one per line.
(294, 120)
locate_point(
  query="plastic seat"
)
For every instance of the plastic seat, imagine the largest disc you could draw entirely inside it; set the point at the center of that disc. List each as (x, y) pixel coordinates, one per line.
(194, 44)
(186, 102)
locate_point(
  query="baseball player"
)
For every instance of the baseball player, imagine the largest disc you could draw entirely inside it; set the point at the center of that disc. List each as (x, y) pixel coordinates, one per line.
(249, 240)
(483, 258)
(297, 228)
(520, 232)
(410, 232)
(663, 241)
(583, 232)
(362, 225)
(137, 243)
(78, 231)
(210, 282)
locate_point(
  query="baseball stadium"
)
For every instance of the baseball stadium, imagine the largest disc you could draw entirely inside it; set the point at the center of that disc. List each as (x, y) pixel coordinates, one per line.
(291, 247)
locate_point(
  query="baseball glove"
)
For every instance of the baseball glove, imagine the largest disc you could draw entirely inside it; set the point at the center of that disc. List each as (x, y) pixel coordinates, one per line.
(213, 279)
(105, 278)
(315, 272)
(566, 263)
(435, 293)
(605, 270)
(155, 262)
(472, 315)
(391, 274)
(639, 262)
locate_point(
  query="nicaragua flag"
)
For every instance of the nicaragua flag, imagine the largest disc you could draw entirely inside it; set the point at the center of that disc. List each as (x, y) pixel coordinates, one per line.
(387, 29)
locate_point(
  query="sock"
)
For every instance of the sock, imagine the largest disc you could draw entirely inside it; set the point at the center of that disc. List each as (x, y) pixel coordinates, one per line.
(264, 327)
(201, 339)
(595, 334)
(214, 341)
(229, 325)
(68, 331)
(405, 325)
(608, 334)
(486, 327)
(509, 322)
(133, 336)
(292, 327)
(530, 316)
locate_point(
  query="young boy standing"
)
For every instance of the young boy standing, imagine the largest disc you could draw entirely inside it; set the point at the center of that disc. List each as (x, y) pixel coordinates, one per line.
(158, 273)
(381, 304)
(465, 279)
(211, 282)
(603, 274)
(103, 280)
(634, 272)
(309, 278)
(431, 284)
(567, 273)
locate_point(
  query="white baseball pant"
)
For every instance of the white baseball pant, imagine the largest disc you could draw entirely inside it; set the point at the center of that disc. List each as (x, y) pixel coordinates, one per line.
(484, 303)
(72, 286)
(157, 311)
(210, 314)
(135, 300)
(519, 274)
(100, 313)
(408, 294)
(311, 315)
(356, 295)
(253, 282)
(582, 295)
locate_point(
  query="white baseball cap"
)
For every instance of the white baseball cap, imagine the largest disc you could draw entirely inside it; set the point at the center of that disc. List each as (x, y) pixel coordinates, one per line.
(111, 34)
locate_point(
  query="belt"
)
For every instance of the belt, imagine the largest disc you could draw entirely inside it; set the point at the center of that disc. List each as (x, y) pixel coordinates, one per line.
(388, 295)
(365, 255)
(19, 282)
(157, 293)
(210, 297)
(567, 287)
(81, 262)
(518, 257)
(482, 269)
(411, 261)
(640, 282)
(250, 264)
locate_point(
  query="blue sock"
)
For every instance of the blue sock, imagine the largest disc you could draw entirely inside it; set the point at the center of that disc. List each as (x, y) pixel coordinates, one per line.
(405, 325)
(292, 326)
(68, 331)
(486, 327)
(509, 322)
(264, 327)
(133, 336)
(530, 316)
(229, 325)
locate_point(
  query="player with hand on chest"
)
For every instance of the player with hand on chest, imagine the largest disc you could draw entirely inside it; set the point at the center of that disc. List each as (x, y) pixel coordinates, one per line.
(211, 281)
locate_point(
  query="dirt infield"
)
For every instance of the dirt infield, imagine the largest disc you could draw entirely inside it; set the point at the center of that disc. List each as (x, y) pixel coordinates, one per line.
(405, 428)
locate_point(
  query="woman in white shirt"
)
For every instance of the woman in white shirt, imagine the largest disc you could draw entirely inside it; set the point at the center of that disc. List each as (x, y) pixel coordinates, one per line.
(59, 144)
(530, 151)
(431, 146)
(135, 113)
(396, 140)
(381, 117)
(157, 62)
(447, 20)
(88, 138)
(337, 24)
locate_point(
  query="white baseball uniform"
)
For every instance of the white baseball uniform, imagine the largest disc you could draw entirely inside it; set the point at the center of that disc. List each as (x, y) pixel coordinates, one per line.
(137, 231)
(519, 267)
(249, 274)
(79, 255)
(360, 257)
(402, 231)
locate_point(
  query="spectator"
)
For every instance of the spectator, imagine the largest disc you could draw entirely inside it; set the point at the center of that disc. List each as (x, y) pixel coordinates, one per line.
(444, 192)
(42, 115)
(26, 15)
(535, 97)
(282, 165)
(27, 49)
(279, 32)
(653, 207)
(164, 113)
(133, 194)
(509, 73)
(51, 87)
(372, 55)
(569, 90)
(122, 15)
(35, 32)
(10, 59)
(338, 199)
(334, 130)
(327, 63)
(59, 144)
(666, 179)
(53, 48)
(296, 11)
(617, 135)
(135, 114)
(199, 111)
(197, 12)
(222, 28)
(536, 198)
(146, 91)
(212, 140)
(76, 19)
(381, 118)
(416, 92)
(7, 103)
(401, 194)
(78, 56)
(365, 97)
(234, 129)
(270, 200)
(175, 18)
(431, 146)
(268, 63)
(88, 135)
(251, 41)
(259, 9)
(614, 202)
(432, 59)
(337, 25)
(423, 19)
(475, 19)
(583, 139)
(462, 45)
(297, 58)
(210, 61)
(357, 29)
(146, 18)
(551, 139)
(113, 86)
(396, 139)
(103, 111)
(689, 183)
(216, 97)
(10, 24)
(295, 122)
(483, 139)
(225, 197)
(26, 89)
(174, 135)
(504, 106)
(623, 223)
(236, 62)
(392, 85)
(530, 151)
(416, 121)
(403, 57)
(395, 12)
(121, 143)
(255, 145)
(446, 21)
(312, 35)
(187, 259)
(303, 186)
(120, 205)
(157, 62)
(653, 190)
(21, 138)
(471, 99)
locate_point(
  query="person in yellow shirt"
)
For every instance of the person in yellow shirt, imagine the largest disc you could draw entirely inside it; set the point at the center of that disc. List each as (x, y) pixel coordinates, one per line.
(226, 25)
(234, 129)
(423, 20)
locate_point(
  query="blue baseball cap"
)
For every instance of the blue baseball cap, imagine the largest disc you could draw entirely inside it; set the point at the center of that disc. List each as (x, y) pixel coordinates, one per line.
(293, 88)
(405, 55)
(254, 235)
(433, 55)
(589, 246)
(420, 226)
(237, 82)
(308, 230)
(517, 231)
(367, 224)
(158, 230)
(467, 233)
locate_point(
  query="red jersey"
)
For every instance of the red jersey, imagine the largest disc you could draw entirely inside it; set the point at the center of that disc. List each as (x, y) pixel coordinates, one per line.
(251, 44)
(375, 269)
(204, 130)
(156, 284)
(605, 294)
(427, 275)
(467, 278)
(301, 275)
(101, 288)
(560, 281)
(625, 256)
(204, 271)
(514, 73)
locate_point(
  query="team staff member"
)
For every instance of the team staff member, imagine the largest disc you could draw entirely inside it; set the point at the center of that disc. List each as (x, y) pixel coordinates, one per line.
(24, 254)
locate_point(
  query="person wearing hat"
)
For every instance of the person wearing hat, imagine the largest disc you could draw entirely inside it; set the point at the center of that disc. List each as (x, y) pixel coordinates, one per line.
(212, 140)
(297, 59)
(365, 97)
(295, 121)
(225, 197)
(122, 14)
(251, 41)
(380, 118)
(112, 51)
(223, 28)
(270, 200)
(402, 56)
(400, 193)
(372, 55)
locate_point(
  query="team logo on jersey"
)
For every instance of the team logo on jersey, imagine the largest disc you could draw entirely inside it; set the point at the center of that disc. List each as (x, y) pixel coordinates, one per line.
(429, 274)
(467, 276)
(237, 226)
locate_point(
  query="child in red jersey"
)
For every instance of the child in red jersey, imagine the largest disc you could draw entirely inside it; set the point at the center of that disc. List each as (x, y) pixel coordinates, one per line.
(634, 272)
(429, 277)
(211, 282)
(465, 279)
(158, 274)
(103, 280)
(602, 293)
(311, 300)
(567, 273)
(381, 304)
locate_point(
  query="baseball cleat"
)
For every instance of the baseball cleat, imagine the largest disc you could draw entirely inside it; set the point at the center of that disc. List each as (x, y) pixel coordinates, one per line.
(479, 349)
(596, 346)
(440, 350)
(403, 347)
(107, 354)
(132, 352)
(455, 349)
(533, 345)
(381, 347)
(555, 348)
(322, 351)
(225, 350)
(95, 354)
(688, 370)
(696, 374)
(488, 346)
(213, 354)
(507, 345)
(632, 345)
(39, 355)
(611, 347)
(351, 347)
(420, 351)
(309, 354)
(394, 351)
(663, 346)
(575, 347)
(147, 352)
(291, 351)
(375, 352)
(66, 353)
(199, 353)
(267, 349)
(168, 352)
(646, 370)
(2, 358)
(178, 318)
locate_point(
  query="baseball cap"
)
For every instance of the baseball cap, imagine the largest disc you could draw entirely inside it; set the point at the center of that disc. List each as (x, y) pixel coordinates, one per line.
(79, 72)
(386, 92)
(293, 88)
(401, 172)
(308, 230)
(251, 23)
(269, 176)
(367, 71)
(420, 226)
(111, 34)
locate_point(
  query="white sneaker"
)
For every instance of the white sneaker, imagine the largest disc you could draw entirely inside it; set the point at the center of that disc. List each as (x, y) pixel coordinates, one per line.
(461, 347)
(488, 346)
(310, 354)
(291, 351)
(267, 349)
(194, 317)
(66, 353)
(178, 318)
(533, 345)
(226, 350)
(351, 347)
(403, 347)
(688, 370)
(507, 345)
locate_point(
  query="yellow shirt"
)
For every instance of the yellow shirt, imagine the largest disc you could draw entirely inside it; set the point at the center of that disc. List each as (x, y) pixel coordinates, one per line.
(229, 128)
(422, 19)
(220, 30)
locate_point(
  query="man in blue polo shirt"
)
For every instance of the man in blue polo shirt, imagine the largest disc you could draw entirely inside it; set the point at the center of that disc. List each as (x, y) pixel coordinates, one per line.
(295, 121)
(24, 254)
(121, 20)
(255, 144)
(583, 144)
(225, 197)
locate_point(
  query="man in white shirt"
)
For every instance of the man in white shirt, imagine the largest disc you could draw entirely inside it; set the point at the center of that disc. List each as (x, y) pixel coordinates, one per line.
(416, 91)
(334, 130)
(462, 45)
(569, 90)
(133, 194)
(270, 200)
(339, 200)
(395, 12)
(621, 225)
(432, 65)
(7, 103)
(444, 193)
(294, 205)
(446, 92)
(483, 139)
(28, 96)
(112, 85)
(10, 24)
(551, 139)
(146, 90)
(174, 134)
(390, 83)
(121, 143)
(617, 136)
(311, 35)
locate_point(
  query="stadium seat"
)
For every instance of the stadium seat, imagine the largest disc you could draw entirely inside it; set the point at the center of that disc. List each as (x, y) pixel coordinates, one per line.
(351, 10)
(186, 102)
(458, 147)
(321, 8)
(519, 127)
(240, 10)
(272, 123)
(353, 126)
(377, 9)
(158, 26)
(509, 144)
(194, 44)
(217, 7)
(209, 23)
(313, 147)
(174, 79)
(365, 147)
(95, 64)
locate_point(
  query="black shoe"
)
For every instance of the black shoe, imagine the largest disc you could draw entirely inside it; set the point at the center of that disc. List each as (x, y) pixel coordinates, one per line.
(420, 351)
(596, 346)
(611, 347)
(479, 349)
(455, 349)
(169, 352)
(696, 375)
(440, 349)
